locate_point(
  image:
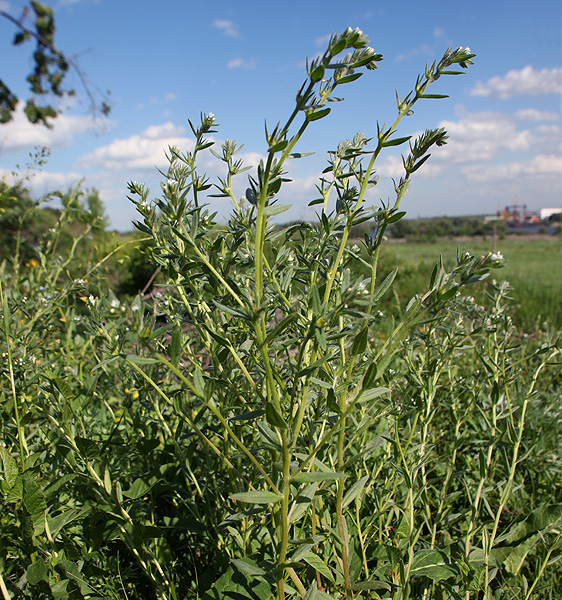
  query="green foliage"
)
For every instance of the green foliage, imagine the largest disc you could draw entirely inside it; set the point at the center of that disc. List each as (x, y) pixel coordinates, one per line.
(255, 427)
(50, 67)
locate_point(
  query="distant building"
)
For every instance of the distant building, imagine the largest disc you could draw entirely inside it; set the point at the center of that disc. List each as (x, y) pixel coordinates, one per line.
(546, 213)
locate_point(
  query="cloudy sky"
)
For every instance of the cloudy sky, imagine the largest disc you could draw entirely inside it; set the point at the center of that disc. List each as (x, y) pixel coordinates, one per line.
(167, 61)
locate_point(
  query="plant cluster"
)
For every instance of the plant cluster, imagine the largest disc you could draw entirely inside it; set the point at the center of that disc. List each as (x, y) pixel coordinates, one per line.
(256, 427)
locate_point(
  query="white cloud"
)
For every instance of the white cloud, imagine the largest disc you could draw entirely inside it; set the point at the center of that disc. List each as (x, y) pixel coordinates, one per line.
(139, 151)
(240, 63)
(526, 82)
(532, 114)
(424, 50)
(537, 166)
(4, 5)
(170, 97)
(323, 40)
(438, 32)
(487, 145)
(19, 134)
(42, 182)
(228, 27)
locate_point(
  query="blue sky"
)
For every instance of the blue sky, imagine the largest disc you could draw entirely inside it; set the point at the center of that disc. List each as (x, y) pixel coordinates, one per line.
(168, 61)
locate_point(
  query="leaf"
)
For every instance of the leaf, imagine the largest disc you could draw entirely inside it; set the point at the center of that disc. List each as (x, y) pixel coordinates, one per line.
(281, 326)
(278, 146)
(360, 342)
(348, 78)
(235, 585)
(395, 142)
(138, 488)
(248, 566)
(319, 565)
(141, 360)
(235, 312)
(57, 523)
(257, 497)
(299, 154)
(10, 467)
(302, 502)
(276, 209)
(313, 593)
(385, 285)
(63, 388)
(354, 491)
(434, 96)
(317, 476)
(369, 377)
(432, 564)
(37, 571)
(88, 448)
(35, 504)
(319, 114)
(396, 217)
(174, 349)
(273, 416)
(317, 74)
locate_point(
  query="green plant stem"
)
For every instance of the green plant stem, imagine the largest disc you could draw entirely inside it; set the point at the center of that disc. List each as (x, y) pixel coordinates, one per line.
(506, 492)
(5, 593)
(24, 452)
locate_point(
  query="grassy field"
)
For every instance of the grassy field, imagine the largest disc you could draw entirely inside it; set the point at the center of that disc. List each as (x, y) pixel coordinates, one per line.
(534, 269)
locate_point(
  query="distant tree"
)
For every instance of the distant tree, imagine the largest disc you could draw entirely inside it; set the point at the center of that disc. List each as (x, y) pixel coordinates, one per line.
(24, 223)
(50, 67)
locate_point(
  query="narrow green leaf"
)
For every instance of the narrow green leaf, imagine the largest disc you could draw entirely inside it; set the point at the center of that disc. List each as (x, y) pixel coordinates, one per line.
(373, 393)
(316, 476)
(369, 377)
(319, 565)
(302, 502)
(174, 349)
(199, 383)
(434, 96)
(299, 154)
(63, 388)
(56, 524)
(396, 217)
(360, 342)
(419, 164)
(432, 564)
(273, 416)
(276, 209)
(395, 142)
(235, 312)
(257, 497)
(278, 146)
(354, 491)
(141, 360)
(385, 285)
(319, 114)
(348, 78)
(281, 326)
(107, 481)
(248, 566)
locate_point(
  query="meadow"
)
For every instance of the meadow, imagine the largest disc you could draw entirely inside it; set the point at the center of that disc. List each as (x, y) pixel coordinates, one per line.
(286, 414)
(532, 268)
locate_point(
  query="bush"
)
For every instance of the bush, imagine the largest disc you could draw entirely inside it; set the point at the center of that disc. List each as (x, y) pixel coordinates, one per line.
(255, 428)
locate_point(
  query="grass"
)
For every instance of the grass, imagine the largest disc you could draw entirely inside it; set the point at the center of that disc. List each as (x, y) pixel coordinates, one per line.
(533, 269)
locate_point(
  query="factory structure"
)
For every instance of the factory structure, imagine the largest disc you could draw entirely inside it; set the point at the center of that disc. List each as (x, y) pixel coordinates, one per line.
(516, 214)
